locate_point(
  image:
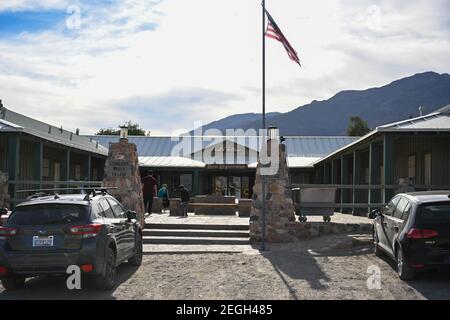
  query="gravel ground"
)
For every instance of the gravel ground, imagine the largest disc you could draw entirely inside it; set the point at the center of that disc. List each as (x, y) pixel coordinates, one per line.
(330, 267)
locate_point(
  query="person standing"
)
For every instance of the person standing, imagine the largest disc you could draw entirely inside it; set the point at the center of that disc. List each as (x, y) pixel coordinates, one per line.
(149, 190)
(185, 198)
(163, 194)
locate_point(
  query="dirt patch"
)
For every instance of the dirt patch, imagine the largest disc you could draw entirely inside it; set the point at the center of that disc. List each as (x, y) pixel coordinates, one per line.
(330, 267)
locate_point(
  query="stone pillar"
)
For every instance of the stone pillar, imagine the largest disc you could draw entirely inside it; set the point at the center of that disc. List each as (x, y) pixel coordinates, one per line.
(122, 172)
(4, 192)
(280, 216)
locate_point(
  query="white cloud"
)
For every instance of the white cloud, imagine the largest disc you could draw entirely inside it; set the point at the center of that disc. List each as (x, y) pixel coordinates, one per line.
(133, 49)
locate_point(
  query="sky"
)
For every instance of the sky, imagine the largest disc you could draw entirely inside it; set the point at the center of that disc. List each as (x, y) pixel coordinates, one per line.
(168, 64)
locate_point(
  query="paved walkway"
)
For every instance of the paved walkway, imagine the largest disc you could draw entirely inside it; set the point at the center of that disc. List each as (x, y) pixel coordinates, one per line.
(183, 225)
(164, 218)
(235, 220)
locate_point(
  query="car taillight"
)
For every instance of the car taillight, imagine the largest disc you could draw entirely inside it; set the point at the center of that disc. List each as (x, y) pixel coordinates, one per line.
(422, 234)
(7, 232)
(86, 231)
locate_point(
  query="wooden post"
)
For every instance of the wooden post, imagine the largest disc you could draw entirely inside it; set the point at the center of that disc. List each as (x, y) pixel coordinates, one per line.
(67, 166)
(196, 183)
(88, 167)
(369, 194)
(387, 166)
(38, 162)
(354, 181)
(13, 162)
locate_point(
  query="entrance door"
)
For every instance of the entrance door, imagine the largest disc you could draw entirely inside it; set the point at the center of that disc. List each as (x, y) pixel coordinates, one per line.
(220, 185)
(234, 187)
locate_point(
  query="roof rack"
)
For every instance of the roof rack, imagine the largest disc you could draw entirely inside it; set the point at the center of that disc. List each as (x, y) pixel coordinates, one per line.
(90, 191)
(102, 189)
(95, 191)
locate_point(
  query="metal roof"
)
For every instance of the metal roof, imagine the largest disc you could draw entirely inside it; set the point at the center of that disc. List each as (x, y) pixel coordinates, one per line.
(11, 121)
(433, 122)
(169, 151)
(170, 162)
(438, 121)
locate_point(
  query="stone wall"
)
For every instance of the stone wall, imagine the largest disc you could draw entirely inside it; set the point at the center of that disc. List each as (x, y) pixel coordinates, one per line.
(4, 192)
(122, 172)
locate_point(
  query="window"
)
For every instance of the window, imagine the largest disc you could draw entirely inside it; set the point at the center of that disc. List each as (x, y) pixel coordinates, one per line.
(406, 212)
(427, 169)
(77, 172)
(117, 208)
(46, 168)
(182, 179)
(366, 175)
(438, 213)
(390, 207)
(402, 204)
(94, 174)
(47, 214)
(106, 208)
(412, 167)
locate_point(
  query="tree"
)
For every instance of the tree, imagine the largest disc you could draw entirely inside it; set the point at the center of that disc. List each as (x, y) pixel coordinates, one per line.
(357, 127)
(133, 130)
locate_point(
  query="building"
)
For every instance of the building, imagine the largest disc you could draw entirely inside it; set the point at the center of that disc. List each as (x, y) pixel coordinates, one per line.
(222, 165)
(368, 171)
(36, 155)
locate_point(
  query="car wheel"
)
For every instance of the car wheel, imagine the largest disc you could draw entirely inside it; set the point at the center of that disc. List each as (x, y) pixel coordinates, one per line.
(404, 271)
(376, 247)
(13, 283)
(136, 259)
(106, 280)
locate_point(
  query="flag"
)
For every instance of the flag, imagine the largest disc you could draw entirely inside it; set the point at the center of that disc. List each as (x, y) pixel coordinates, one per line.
(274, 32)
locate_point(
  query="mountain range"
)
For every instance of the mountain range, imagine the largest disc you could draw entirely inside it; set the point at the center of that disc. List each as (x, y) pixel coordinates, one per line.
(393, 102)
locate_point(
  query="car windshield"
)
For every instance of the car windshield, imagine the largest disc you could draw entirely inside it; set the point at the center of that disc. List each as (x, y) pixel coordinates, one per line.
(435, 212)
(45, 214)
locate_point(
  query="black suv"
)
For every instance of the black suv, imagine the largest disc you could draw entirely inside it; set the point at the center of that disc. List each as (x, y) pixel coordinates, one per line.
(46, 234)
(414, 230)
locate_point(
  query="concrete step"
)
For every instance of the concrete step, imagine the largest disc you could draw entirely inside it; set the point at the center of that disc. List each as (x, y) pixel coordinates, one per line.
(200, 241)
(191, 226)
(196, 233)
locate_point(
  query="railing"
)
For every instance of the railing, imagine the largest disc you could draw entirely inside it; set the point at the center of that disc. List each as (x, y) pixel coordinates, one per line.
(356, 193)
(24, 188)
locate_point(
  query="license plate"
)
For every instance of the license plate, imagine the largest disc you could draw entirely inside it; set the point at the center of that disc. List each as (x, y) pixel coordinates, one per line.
(43, 241)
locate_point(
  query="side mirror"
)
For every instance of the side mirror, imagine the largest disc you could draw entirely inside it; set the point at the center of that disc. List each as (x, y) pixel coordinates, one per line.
(130, 215)
(374, 213)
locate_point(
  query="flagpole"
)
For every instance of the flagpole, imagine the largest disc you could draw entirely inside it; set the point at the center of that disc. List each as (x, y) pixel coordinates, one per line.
(263, 180)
